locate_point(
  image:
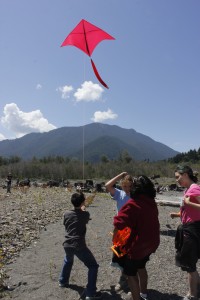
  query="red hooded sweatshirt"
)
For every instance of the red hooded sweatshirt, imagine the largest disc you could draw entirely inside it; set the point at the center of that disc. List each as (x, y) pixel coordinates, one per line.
(141, 215)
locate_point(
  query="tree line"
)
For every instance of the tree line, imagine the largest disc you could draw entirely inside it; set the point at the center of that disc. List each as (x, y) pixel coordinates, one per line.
(64, 168)
(192, 156)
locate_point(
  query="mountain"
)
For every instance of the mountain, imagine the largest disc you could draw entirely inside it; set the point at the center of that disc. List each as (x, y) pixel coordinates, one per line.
(94, 140)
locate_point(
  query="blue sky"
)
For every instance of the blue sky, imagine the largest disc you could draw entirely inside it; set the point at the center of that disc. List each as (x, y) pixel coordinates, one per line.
(152, 68)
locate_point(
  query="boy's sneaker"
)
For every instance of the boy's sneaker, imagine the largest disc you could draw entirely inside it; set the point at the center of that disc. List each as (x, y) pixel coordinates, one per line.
(63, 285)
(98, 295)
(121, 285)
(129, 297)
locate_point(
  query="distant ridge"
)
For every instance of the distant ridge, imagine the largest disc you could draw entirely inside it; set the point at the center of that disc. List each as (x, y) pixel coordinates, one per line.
(99, 139)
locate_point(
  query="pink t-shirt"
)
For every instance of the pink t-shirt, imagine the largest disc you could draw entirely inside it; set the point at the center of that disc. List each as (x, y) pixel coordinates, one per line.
(188, 213)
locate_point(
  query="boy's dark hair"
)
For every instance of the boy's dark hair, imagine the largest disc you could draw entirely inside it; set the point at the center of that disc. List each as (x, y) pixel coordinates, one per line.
(77, 199)
(142, 185)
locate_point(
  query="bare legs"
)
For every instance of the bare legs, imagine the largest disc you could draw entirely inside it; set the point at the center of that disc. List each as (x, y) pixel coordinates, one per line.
(143, 280)
(138, 283)
(133, 283)
(194, 281)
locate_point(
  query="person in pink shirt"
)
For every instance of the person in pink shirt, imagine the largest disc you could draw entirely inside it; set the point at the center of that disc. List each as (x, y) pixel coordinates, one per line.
(187, 240)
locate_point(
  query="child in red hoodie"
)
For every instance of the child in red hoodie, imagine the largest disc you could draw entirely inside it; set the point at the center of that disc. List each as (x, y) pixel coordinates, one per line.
(140, 214)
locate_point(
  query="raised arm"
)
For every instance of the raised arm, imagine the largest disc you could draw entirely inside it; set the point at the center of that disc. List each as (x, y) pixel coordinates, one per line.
(111, 182)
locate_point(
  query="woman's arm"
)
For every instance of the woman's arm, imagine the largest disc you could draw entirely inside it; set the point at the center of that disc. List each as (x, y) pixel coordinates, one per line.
(187, 201)
(175, 214)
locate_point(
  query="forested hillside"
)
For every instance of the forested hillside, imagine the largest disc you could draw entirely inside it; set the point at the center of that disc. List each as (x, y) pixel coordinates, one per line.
(94, 139)
(59, 167)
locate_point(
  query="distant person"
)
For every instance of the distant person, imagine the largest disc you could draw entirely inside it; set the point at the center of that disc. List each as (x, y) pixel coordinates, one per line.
(187, 240)
(140, 214)
(27, 182)
(121, 196)
(9, 182)
(75, 222)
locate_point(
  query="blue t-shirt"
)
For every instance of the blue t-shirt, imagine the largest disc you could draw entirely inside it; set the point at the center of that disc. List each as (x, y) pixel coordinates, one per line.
(121, 198)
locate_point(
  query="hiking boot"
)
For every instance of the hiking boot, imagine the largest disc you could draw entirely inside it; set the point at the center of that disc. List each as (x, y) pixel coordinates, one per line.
(97, 295)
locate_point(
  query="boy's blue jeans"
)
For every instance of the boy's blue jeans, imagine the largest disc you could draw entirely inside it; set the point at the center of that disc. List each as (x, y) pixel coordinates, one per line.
(86, 256)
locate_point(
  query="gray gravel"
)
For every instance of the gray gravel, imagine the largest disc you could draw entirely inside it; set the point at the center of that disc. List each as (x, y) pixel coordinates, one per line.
(34, 274)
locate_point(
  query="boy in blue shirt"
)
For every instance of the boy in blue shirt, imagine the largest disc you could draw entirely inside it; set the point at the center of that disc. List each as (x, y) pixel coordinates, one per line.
(121, 196)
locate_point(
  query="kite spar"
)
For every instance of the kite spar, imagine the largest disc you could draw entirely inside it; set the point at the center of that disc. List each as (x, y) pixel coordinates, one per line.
(86, 37)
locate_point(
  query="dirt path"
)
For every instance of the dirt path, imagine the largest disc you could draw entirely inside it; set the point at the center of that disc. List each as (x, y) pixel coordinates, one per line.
(35, 272)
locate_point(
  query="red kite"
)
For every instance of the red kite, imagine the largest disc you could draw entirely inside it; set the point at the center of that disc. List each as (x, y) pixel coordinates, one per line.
(86, 37)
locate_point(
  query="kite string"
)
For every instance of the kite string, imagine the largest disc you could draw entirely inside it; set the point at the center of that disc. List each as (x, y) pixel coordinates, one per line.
(83, 152)
(83, 159)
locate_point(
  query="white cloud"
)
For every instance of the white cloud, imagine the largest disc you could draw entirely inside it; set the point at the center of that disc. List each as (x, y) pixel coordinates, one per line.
(2, 137)
(88, 92)
(100, 116)
(65, 91)
(38, 86)
(22, 123)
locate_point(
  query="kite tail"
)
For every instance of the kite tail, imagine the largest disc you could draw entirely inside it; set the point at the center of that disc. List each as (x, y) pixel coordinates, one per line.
(97, 75)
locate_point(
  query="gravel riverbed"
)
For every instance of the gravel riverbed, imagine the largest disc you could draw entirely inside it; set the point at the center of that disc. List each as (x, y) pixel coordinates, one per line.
(31, 252)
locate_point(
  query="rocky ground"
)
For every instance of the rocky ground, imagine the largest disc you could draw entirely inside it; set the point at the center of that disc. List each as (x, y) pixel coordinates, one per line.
(31, 253)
